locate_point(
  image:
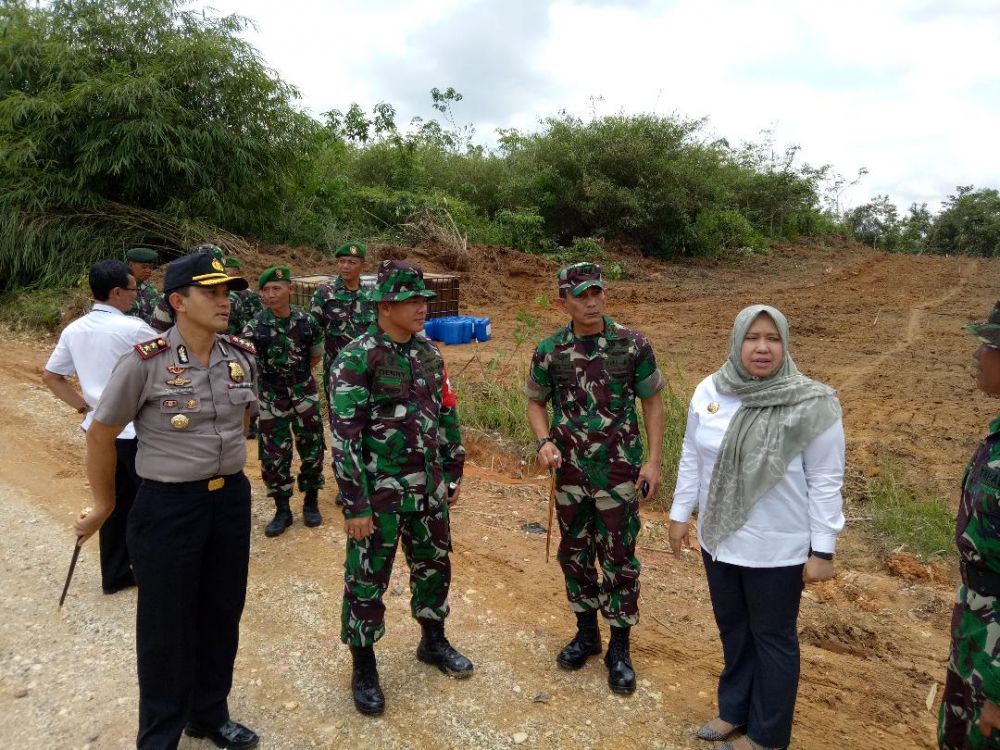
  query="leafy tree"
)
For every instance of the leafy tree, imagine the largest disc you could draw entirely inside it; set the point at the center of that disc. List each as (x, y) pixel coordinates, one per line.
(969, 223)
(875, 223)
(134, 103)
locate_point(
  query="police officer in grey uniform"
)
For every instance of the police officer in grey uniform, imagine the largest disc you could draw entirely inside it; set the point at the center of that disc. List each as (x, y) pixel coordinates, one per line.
(189, 393)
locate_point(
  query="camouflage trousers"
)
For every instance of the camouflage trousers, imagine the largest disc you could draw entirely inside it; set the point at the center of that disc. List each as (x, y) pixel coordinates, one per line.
(426, 537)
(973, 664)
(281, 417)
(600, 526)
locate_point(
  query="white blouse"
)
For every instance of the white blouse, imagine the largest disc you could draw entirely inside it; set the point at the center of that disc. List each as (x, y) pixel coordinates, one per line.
(803, 510)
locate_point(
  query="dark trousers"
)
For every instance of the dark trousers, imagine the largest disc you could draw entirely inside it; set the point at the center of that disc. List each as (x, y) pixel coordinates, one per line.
(190, 552)
(116, 572)
(756, 610)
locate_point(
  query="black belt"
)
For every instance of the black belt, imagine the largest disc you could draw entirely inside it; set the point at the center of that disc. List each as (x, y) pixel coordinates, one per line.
(199, 485)
(983, 582)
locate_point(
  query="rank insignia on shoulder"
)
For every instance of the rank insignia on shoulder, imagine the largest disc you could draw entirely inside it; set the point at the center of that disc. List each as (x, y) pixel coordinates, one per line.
(149, 349)
(241, 343)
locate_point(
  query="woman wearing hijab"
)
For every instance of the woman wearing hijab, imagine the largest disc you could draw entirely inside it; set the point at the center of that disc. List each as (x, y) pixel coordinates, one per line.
(763, 459)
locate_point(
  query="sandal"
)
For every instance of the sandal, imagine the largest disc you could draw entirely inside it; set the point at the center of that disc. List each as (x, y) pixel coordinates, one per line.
(711, 734)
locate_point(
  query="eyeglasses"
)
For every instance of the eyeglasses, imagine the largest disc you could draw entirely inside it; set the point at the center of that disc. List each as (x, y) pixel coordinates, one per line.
(129, 288)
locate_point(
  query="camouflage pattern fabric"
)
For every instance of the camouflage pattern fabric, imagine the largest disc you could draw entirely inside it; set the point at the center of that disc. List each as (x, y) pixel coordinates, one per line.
(592, 382)
(426, 537)
(603, 526)
(394, 419)
(244, 306)
(289, 400)
(396, 445)
(343, 315)
(974, 662)
(145, 302)
(160, 321)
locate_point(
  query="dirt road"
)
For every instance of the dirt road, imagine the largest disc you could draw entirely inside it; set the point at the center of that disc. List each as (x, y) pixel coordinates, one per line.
(885, 330)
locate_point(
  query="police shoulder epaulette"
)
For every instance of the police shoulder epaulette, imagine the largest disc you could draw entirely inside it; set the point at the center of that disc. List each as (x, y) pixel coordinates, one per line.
(149, 349)
(241, 343)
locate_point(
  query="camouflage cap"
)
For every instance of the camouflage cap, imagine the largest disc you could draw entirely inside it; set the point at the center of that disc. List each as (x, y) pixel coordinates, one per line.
(989, 331)
(142, 255)
(231, 262)
(207, 248)
(350, 250)
(579, 277)
(274, 273)
(399, 281)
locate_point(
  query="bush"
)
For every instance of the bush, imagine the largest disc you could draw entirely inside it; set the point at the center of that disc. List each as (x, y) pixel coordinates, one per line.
(715, 232)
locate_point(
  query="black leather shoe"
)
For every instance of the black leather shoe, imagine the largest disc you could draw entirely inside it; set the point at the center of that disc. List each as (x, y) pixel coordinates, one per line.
(365, 687)
(310, 509)
(231, 735)
(435, 649)
(282, 519)
(621, 676)
(586, 643)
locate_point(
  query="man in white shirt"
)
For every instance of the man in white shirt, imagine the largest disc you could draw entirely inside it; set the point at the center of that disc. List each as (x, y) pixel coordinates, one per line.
(89, 348)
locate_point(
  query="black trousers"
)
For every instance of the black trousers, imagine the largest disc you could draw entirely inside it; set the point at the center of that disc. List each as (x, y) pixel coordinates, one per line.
(756, 610)
(116, 572)
(190, 550)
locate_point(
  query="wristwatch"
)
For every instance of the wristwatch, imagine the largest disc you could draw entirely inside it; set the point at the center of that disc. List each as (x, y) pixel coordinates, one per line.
(542, 441)
(822, 555)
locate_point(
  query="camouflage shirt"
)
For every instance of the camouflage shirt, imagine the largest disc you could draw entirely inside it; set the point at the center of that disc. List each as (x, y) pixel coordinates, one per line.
(977, 530)
(284, 349)
(394, 418)
(342, 314)
(145, 302)
(243, 306)
(592, 382)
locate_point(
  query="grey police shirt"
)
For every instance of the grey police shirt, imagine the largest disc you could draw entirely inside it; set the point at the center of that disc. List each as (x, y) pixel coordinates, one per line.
(188, 418)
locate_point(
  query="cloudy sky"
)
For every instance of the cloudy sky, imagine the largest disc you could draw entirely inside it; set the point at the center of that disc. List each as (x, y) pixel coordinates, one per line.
(909, 89)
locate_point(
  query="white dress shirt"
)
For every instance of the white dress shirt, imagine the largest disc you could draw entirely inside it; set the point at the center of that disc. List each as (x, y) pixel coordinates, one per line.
(89, 348)
(803, 510)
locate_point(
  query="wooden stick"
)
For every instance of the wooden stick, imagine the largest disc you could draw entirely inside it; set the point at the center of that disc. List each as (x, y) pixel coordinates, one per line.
(552, 508)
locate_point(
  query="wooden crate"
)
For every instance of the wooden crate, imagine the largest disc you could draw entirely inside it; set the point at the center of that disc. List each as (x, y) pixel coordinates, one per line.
(446, 286)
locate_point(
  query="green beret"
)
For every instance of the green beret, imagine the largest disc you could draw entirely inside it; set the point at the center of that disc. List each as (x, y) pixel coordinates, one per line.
(274, 273)
(232, 262)
(142, 255)
(350, 250)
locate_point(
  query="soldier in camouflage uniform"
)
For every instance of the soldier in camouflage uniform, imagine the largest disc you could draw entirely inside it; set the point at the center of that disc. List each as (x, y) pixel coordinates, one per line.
(398, 458)
(592, 371)
(161, 319)
(141, 262)
(343, 308)
(289, 344)
(970, 708)
(244, 304)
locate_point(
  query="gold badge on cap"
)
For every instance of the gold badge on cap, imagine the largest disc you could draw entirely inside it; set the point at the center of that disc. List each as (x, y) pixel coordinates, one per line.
(236, 372)
(279, 274)
(217, 265)
(354, 250)
(179, 422)
(713, 407)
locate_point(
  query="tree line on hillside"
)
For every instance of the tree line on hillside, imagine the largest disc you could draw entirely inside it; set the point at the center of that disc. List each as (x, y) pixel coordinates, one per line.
(137, 121)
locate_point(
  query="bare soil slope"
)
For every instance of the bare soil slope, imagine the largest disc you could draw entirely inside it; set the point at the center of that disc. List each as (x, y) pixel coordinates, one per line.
(884, 329)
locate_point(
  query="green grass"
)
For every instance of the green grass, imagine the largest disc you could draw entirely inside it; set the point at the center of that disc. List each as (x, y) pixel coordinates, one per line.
(920, 523)
(34, 309)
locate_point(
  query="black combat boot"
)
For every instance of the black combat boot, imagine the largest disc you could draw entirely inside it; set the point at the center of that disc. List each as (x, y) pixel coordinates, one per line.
(282, 518)
(435, 649)
(367, 692)
(310, 509)
(586, 642)
(621, 677)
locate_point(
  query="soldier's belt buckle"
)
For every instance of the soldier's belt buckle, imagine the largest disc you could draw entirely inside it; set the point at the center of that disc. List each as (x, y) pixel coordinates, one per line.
(216, 484)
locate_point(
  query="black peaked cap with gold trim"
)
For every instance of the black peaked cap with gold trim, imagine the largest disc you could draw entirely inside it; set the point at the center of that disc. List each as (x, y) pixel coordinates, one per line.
(199, 270)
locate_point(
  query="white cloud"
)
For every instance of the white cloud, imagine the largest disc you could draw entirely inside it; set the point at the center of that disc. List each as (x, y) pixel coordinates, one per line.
(909, 90)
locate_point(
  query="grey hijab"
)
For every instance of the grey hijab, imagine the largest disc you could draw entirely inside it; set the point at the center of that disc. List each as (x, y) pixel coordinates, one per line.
(780, 415)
